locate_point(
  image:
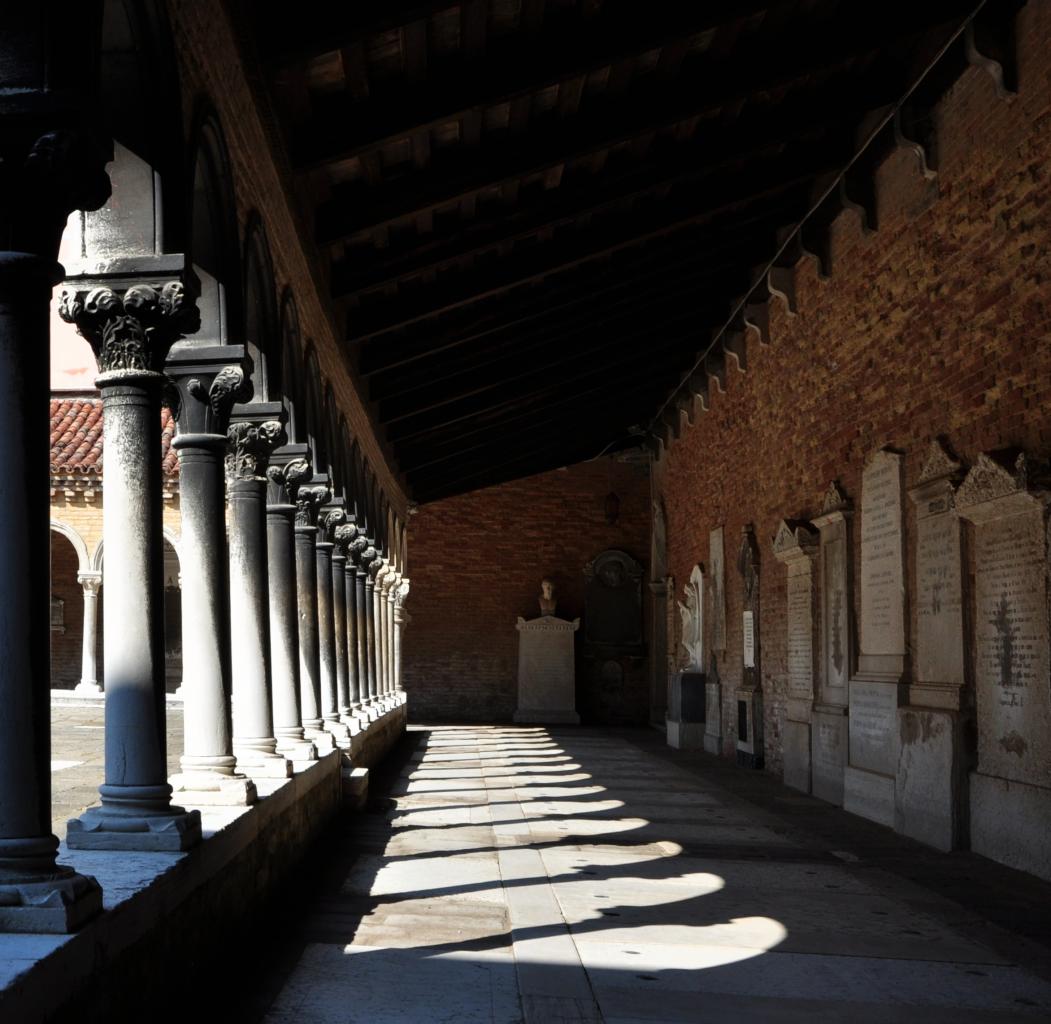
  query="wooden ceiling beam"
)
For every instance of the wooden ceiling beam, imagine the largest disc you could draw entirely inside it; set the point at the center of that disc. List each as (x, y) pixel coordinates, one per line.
(593, 243)
(722, 183)
(569, 47)
(594, 288)
(539, 386)
(561, 357)
(635, 307)
(706, 85)
(357, 211)
(506, 427)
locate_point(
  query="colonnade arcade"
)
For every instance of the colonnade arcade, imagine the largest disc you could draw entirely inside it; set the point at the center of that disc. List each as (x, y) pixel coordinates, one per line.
(292, 558)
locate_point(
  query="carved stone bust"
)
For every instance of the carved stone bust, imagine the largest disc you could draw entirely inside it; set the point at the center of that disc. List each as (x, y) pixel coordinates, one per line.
(548, 602)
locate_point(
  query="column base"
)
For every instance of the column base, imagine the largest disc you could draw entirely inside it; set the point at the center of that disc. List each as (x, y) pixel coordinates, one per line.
(55, 905)
(301, 750)
(350, 722)
(259, 765)
(99, 829)
(339, 732)
(209, 789)
(87, 690)
(323, 741)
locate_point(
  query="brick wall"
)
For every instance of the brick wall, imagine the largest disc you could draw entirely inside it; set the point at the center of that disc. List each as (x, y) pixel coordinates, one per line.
(935, 325)
(476, 562)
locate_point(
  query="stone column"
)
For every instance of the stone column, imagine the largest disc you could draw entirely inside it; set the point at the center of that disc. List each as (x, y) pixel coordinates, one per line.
(309, 498)
(391, 592)
(381, 592)
(288, 469)
(377, 568)
(89, 683)
(401, 619)
(131, 321)
(209, 381)
(350, 697)
(332, 517)
(255, 432)
(371, 565)
(355, 554)
(36, 893)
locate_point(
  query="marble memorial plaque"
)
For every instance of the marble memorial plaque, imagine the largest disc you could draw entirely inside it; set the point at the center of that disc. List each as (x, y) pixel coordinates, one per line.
(748, 631)
(828, 744)
(939, 597)
(1012, 673)
(836, 619)
(882, 563)
(546, 670)
(717, 589)
(873, 726)
(800, 631)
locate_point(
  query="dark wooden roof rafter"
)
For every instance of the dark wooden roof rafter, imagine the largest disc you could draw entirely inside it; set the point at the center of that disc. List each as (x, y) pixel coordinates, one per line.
(517, 197)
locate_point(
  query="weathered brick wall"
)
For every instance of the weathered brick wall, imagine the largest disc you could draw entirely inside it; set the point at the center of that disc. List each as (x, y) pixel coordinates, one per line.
(476, 562)
(937, 324)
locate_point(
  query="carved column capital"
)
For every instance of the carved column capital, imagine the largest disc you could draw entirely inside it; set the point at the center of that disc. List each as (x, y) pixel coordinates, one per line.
(251, 445)
(331, 520)
(401, 593)
(370, 562)
(90, 581)
(208, 382)
(131, 326)
(289, 469)
(356, 551)
(344, 536)
(308, 501)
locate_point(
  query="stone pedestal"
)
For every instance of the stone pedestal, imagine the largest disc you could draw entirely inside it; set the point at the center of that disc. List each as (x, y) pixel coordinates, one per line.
(687, 710)
(931, 781)
(877, 689)
(796, 547)
(713, 714)
(828, 751)
(546, 671)
(1007, 500)
(828, 721)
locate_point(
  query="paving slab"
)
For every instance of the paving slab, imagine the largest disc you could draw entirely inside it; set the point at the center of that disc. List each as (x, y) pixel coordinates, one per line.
(526, 875)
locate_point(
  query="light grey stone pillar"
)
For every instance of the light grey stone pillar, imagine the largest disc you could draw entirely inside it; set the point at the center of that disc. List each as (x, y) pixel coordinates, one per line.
(36, 893)
(89, 682)
(401, 620)
(332, 517)
(254, 433)
(309, 498)
(131, 319)
(288, 469)
(356, 554)
(379, 594)
(372, 564)
(349, 696)
(209, 381)
(395, 579)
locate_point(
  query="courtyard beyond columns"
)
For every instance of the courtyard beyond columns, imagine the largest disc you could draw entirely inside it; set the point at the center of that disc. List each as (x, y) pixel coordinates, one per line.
(520, 874)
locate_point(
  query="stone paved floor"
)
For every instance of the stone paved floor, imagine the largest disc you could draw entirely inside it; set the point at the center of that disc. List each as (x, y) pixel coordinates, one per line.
(525, 875)
(77, 759)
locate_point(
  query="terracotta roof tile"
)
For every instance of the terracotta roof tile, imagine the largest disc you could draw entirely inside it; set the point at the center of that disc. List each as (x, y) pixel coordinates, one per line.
(76, 438)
